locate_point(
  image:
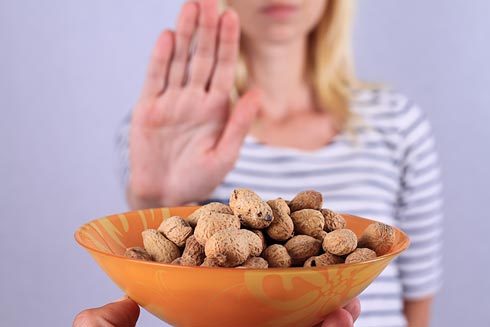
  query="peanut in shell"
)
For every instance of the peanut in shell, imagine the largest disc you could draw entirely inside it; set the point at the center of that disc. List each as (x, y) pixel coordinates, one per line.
(214, 262)
(260, 234)
(282, 227)
(137, 253)
(360, 255)
(308, 222)
(302, 247)
(277, 256)
(255, 263)
(159, 247)
(333, 220)
(325, 259)
(340, 242)
(208, 209)
(306, 200)
(193, 254)
(176, 229)
(378, 237)
(177, 261)
(252, 211)
(230, 247)
(254, 242)
(320, 235)
(208, 225)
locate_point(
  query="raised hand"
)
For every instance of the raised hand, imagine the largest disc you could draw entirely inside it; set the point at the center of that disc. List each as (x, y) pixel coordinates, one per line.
(184, 135)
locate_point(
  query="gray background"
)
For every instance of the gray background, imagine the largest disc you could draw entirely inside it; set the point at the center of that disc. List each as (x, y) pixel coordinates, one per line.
(70, 70)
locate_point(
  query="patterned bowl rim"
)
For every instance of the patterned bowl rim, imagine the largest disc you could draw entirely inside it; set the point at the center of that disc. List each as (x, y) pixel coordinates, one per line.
(402, 244)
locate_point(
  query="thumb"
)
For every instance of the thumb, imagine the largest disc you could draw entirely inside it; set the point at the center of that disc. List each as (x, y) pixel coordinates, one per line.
(339, 318)
(238, 126)
(124, 312)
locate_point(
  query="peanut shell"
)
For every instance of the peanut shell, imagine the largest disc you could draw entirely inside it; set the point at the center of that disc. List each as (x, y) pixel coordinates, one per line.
(306, 200)
(378, 237)
(214, 262)
(340, 242)
(206, 210)
(137, 253)
(159, 247)
(259, 233)
(193, 254)
(322, 260)
(255, 262)
(252, 211)
(333, 220)
(176, 229)
(360, 255)
(301, 247)
(308, 222)
(282, 227)
(254, 242)
(277, 256)
(320, 235)
(230, 247)
(177, 261)
(208, 225)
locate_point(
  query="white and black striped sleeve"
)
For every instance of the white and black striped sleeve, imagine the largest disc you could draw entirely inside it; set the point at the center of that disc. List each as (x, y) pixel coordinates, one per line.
(420, 207)
(122, 149)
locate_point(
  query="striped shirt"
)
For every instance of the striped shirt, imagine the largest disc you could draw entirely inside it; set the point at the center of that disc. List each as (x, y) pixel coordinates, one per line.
(387, 170)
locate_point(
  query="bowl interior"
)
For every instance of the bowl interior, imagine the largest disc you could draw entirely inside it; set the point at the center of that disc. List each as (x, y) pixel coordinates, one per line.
(199, 296)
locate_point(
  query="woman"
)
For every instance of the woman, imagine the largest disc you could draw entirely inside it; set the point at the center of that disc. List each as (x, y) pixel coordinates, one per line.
(300, 121)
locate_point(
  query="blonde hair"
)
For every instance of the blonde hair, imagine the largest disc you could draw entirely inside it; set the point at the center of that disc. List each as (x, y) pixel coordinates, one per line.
(329, 59)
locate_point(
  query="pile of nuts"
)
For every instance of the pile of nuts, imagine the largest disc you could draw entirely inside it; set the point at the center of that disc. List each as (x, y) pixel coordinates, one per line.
(252, 233)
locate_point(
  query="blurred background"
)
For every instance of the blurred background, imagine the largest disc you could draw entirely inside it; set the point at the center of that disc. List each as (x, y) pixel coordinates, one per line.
(70, 71)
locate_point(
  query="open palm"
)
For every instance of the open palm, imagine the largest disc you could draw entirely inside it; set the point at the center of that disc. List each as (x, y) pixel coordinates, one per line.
(184, 135)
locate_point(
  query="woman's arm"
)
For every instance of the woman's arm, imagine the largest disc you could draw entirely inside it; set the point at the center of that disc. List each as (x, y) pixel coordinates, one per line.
(420, 214)
(418, 312)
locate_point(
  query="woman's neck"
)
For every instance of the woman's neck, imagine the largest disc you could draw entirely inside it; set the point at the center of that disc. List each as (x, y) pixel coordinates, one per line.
(279, 71)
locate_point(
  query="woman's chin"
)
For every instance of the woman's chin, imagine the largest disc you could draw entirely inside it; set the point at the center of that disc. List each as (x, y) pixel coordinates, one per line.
(278, 35)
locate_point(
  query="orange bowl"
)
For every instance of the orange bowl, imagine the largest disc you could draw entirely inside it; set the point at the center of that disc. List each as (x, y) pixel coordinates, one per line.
(226, 297)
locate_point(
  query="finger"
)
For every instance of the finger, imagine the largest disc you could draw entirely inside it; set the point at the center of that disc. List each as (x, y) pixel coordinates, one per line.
(204, 57)
(186, 26)
(157, 73)
(229, 34)
(122, 313)
(238, 126)
(354, 308)
(338, 318)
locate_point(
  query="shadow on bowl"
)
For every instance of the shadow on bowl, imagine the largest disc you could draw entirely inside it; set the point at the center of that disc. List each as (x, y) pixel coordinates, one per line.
(185, 296)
